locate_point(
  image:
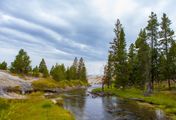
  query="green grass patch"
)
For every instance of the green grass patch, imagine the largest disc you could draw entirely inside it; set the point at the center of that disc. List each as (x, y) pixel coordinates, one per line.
(48, 83)
(34, 108)
(165, 100)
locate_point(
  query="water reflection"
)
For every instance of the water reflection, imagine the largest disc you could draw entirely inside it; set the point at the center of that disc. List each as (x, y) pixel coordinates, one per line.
(84, 107)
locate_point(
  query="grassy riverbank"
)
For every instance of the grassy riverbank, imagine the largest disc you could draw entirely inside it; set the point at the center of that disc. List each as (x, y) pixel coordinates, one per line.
(165, 100)
(35, 107)
(48, 83)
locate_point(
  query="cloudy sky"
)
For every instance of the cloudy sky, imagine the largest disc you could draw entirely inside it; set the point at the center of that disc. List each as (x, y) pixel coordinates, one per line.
(59, 30)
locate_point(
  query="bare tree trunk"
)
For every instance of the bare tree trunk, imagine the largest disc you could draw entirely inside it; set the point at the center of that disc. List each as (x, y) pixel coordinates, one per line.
(149, 88)
(169, 84)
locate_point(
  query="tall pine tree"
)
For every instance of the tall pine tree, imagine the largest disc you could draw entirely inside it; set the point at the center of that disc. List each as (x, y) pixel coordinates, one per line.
(132, 65)
(142, 66)
(166, 38)
(119, 56)
(74, 69)
(152, 33)
(82, 75)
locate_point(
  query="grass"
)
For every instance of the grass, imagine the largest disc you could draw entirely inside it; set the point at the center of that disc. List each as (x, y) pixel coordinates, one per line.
(165, 100)
(48, 83)
(34, 108)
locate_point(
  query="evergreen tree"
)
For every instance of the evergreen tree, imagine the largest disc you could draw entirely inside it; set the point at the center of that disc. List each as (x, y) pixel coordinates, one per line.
(152, 33)
(107, 77)
(114, 44)
(75, 62)
(43, 68)
(68, 76)
(109, 69)
(52, 69)
(142, 66)
(120, 59)
(82, 70)
(162, 68)
(59, 73)
(119, 56)
(172, 61)
(166, 37)
(3, 65)
(35, 72)
(83, 75)
(132, 65)
(74, 70)
(21, 63)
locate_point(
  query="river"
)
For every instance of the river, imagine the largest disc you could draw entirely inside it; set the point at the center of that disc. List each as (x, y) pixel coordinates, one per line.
(86, 107)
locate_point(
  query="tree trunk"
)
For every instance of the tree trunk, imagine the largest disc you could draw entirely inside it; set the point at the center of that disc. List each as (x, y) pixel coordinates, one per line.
(169, 84)
(149, 88)
(102, 86)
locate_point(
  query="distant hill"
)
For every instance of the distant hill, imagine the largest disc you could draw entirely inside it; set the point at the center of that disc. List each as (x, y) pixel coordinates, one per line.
(95, 79)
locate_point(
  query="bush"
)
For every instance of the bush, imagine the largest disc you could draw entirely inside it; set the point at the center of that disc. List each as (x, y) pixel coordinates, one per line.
(44, 84)
(3, 66)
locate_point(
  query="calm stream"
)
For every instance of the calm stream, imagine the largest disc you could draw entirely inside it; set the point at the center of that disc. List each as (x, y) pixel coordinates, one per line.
(86, 107)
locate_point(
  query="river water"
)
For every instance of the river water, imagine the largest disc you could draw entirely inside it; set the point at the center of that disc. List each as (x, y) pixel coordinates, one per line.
(86, 107)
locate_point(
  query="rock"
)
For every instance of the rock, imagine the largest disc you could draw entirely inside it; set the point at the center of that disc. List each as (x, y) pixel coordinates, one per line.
(47, 95)
(11, 83)
(58, 101)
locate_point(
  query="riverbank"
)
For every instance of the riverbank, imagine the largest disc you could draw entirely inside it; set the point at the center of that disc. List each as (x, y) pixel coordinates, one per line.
(13, 85)
(50, 85)
(165, 100)
(35, 107)
(27, 99)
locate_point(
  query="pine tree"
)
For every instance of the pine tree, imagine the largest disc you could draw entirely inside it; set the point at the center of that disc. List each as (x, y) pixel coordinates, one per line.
(121, 72)
(68, 76)
(114, 44)
(21, 63)
(3, 65)
(59, 73)
(142, 66)
(172, 61)
(35, 72)
(110, 68)
(74, 69)
(75, 62)
(119, 56)
(51, 70)
(43, 68)
(107, 77)
(152, 33)
(82, 75)
(132, 65)
(113, 47)
(162, 67)
(166, 37)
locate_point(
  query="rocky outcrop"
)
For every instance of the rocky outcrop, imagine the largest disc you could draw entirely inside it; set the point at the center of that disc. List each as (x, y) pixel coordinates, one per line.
(10, 83)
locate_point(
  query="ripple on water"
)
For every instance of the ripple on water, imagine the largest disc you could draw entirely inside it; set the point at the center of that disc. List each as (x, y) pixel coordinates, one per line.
(84, 107)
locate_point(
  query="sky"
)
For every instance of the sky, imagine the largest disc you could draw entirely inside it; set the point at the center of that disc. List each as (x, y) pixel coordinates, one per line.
(59, 30)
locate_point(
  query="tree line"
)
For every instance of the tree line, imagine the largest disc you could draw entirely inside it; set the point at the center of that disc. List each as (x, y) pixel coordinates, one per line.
(22, 65)
(150, 59)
